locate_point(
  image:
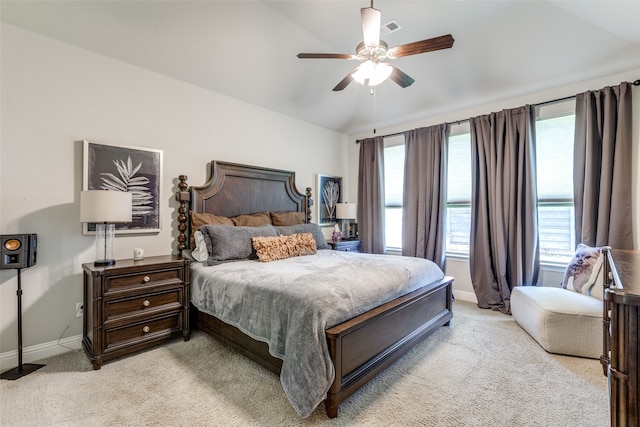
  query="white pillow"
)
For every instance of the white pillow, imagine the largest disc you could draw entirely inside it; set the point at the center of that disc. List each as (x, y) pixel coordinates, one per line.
(199, 253)
(583, 269)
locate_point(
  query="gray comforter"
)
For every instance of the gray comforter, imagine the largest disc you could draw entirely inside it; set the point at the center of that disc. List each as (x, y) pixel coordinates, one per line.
(289, 303)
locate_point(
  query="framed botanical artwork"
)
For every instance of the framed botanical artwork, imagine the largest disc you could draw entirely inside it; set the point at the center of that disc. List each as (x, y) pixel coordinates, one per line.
(329, 192)
(135, 170)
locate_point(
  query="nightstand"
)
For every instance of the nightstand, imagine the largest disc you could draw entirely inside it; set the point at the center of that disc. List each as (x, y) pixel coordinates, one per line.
(134, 305)
(346, 246)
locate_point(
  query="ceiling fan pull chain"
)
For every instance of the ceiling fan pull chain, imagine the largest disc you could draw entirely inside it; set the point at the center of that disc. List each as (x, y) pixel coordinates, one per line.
(373, 93)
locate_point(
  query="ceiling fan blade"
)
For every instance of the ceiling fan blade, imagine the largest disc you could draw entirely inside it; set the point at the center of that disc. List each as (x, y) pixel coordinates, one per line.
(370, 26)
(325, 55)
(401, 78)
(344, 82)
(428, 45)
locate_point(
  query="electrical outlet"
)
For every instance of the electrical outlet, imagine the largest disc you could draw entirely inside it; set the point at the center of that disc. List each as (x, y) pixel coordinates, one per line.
(79, 310)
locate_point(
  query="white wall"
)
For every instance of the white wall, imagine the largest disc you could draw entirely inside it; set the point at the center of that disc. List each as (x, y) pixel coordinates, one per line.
(550, 276)
(53, 96)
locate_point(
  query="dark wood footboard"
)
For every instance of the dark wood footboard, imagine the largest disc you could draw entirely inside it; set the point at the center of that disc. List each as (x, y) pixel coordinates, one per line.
(365, 345)
(361, 347)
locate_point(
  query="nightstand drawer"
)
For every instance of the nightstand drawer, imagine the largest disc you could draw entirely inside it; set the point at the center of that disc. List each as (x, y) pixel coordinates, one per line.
(142, 330)
(346, 246)
(145, 278)
(147, 303)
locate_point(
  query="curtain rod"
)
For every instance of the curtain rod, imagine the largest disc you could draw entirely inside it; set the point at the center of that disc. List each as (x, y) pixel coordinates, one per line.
(457, 122)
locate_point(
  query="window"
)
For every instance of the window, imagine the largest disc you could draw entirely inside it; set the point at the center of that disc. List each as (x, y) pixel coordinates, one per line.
(458, 191)
(555, 125)
(554, 159)
(393, 191)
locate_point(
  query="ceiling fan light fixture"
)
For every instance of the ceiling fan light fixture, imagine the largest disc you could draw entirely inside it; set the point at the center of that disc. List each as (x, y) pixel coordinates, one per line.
(372, 73)
(373, 52)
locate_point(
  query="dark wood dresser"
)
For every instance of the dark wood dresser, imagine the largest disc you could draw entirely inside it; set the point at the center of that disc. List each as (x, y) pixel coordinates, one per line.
(134, 305)
(621, 319)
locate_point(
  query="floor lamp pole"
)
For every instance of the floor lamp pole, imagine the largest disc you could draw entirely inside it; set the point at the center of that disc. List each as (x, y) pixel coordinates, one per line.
(21, 370)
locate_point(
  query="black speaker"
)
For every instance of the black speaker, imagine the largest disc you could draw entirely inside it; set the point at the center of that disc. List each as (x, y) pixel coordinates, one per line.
(18, 250)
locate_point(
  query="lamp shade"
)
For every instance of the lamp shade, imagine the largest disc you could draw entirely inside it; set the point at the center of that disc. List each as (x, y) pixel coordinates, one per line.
(346, 210)
(105, 206)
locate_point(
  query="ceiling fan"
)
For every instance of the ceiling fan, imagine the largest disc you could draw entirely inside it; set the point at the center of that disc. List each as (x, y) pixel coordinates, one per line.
(373, 53)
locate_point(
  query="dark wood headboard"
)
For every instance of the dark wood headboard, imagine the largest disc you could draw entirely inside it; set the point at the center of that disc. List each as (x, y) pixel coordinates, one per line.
(234, 189)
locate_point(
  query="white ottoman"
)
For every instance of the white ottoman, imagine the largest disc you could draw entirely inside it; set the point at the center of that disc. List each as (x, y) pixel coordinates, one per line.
(561, 321)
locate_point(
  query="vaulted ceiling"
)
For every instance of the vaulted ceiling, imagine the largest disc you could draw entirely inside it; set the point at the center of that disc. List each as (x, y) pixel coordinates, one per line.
(247, 49)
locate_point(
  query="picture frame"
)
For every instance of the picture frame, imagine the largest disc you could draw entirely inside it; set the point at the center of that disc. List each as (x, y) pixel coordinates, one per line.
(111, 167)
(329, 191)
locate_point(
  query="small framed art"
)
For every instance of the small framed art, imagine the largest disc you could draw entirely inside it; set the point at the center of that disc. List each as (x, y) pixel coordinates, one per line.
(329, 191)
(135, 170)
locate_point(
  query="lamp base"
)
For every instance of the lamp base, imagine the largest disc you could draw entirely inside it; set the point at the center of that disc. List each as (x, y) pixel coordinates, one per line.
(104, 262)
(16, 373)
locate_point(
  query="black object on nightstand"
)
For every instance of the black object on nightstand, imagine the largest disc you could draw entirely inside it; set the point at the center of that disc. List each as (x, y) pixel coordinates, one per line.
(346, 246)
(134, 305)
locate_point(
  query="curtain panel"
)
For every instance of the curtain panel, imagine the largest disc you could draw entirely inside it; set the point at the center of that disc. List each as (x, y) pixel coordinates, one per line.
(371, 195)
(504, 250)
(602, 167)
(424, 199)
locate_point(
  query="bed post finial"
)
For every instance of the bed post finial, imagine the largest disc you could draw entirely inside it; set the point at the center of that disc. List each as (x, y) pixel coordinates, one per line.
(309, 203)
(183, 197)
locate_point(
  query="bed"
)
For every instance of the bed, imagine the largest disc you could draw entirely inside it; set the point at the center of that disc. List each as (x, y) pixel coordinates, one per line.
(351, 348)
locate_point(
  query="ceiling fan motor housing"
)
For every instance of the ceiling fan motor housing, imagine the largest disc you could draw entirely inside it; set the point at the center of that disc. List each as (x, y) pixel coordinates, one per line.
(372, 53)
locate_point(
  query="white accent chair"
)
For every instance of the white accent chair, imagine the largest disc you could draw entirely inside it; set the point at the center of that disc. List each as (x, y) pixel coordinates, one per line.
(560, 320)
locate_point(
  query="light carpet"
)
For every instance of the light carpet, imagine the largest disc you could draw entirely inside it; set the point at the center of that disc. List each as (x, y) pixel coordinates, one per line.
(483, 370)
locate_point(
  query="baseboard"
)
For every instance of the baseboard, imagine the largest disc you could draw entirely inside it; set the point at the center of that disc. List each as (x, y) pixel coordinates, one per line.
(465, 296)
(9, 360)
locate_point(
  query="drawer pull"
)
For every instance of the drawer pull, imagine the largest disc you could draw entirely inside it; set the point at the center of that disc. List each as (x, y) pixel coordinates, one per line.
(146, 303)
(146, 329)
(145, 279)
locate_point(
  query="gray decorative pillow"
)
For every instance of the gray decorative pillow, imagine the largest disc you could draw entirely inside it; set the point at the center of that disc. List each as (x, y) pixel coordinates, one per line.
(582, 271)
(314, 229)
(231, 243)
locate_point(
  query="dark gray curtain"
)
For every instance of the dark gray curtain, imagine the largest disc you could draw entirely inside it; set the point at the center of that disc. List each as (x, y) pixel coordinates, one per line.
(371, 195)
(504, 248)
(424, 199)
(602, 167)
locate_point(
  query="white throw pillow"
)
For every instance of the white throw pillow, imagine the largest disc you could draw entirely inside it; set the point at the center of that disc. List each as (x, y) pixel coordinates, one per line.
(582, 271)
(200, 253)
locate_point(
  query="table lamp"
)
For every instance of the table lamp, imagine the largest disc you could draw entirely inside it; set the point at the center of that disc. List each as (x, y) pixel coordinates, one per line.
(344, 213)
(105, 208)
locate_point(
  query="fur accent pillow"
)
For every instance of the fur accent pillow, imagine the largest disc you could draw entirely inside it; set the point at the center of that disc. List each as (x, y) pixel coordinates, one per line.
(582, 272)
(281, 247)
(287, 218)
(252, 220)
(314, 229)
(230, 243)
(198, 219)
